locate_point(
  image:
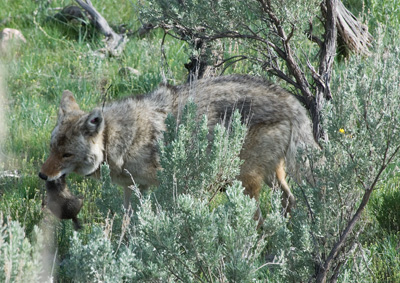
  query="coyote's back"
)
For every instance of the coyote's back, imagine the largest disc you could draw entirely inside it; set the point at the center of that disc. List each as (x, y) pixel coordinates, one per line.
(277, 124)
(125, 133)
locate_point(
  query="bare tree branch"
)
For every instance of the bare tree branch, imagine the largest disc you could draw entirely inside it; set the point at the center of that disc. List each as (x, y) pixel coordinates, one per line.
(301, 80)
(115, 43)
(336, 19)
(312, 37)
(328, 50)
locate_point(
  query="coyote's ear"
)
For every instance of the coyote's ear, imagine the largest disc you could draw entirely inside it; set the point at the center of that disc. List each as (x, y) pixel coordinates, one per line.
(68, 103)
(94, 123)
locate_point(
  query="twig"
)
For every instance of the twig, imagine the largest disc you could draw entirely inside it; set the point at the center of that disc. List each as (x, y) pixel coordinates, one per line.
(240, 58)
(125, 224)
(54, 262)
(164, 62)
(45, 33)
(365, 261)
(105, 97)
(312, 37)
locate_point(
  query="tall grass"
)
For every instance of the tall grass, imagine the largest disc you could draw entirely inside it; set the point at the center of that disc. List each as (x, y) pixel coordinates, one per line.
(58, 57)
(3, 127)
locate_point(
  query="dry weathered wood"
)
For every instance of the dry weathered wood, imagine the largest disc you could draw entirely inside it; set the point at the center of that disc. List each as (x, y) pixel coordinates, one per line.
(115, 43)
(351, 31)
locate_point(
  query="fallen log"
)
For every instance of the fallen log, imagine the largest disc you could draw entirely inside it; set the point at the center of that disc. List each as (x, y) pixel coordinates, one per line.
(115, 43)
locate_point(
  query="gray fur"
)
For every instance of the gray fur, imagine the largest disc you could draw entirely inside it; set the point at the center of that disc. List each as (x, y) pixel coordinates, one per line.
(125, 133)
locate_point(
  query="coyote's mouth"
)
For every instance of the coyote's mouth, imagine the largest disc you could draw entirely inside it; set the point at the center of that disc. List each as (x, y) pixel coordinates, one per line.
(47, 178)
(43, 176)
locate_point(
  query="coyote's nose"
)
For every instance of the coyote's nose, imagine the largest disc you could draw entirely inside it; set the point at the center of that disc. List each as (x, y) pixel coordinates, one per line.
(42, 176)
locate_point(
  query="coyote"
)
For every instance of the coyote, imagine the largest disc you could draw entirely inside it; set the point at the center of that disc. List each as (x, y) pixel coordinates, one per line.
(125, 133)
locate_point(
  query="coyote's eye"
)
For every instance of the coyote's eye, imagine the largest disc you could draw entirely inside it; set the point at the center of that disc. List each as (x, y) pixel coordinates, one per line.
(66, 155)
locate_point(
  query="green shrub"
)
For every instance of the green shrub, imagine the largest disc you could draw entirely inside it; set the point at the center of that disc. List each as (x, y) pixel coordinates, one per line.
(385, 259)
(20, 258)
(385, 12)
(175, 234)
(191, 165)
(385, 206)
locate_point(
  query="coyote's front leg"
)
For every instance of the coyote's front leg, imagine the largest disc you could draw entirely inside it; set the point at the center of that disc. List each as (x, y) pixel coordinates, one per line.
(127, 198)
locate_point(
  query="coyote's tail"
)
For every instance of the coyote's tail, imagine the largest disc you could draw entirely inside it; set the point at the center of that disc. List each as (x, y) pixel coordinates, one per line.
(301, 138)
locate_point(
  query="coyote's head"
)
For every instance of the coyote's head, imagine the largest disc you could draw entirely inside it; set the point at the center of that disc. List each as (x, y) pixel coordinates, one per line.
(76, 142)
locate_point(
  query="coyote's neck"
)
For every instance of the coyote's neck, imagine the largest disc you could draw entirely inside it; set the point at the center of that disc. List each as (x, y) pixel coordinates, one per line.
(126, 127)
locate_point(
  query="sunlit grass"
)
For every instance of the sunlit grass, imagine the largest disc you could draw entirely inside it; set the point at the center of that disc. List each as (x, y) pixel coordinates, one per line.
(58, 57)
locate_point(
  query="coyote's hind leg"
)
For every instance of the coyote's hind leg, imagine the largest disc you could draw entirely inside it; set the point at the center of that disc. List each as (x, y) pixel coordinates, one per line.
(253, 184)
(288, 201)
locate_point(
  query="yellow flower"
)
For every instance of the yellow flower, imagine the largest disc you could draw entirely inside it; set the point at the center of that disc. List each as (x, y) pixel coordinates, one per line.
(341, 131)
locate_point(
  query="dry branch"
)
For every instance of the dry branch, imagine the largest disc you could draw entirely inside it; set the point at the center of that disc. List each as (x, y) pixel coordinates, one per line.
(353, 33)
(115, 43)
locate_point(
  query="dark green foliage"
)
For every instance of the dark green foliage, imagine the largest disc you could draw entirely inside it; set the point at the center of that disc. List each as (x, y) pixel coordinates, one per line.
(20, 258)
(385, 207)
(385, 259)
(191, 163)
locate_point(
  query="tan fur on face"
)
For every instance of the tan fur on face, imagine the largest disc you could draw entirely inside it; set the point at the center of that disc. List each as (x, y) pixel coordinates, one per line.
(74, 147)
